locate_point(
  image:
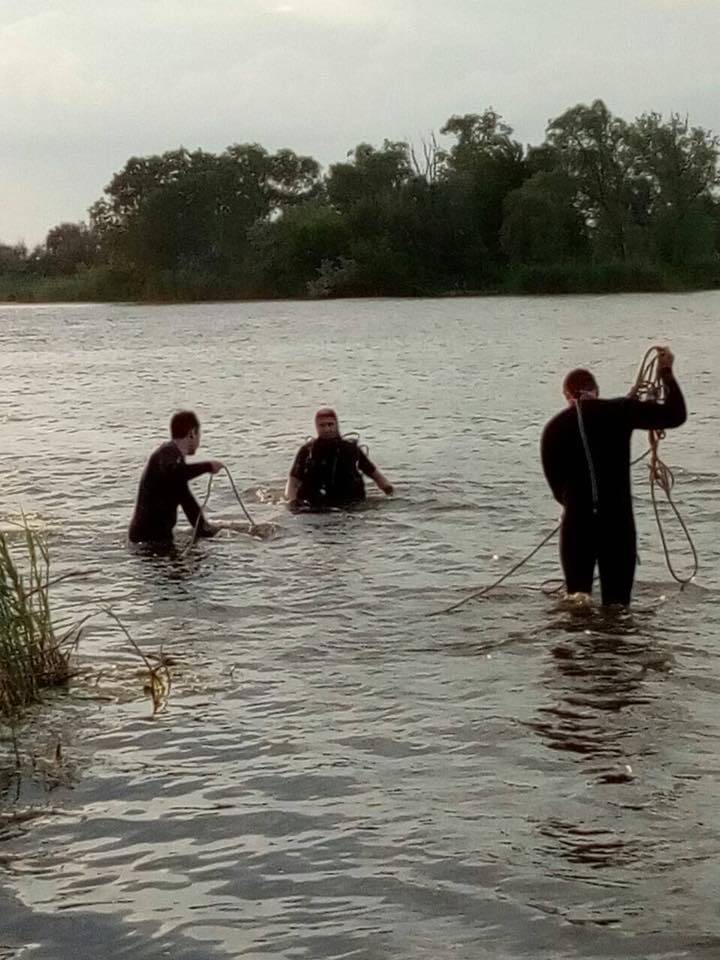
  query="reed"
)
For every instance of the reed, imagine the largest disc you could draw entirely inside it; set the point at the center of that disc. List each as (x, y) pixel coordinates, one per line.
(32, 656)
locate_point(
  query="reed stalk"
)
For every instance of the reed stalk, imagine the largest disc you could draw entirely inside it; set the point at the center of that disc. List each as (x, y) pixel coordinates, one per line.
(31, 656)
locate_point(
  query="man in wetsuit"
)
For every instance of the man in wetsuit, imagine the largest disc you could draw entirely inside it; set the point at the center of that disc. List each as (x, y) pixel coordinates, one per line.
(586, 458)
(164, 485)
(327, 472)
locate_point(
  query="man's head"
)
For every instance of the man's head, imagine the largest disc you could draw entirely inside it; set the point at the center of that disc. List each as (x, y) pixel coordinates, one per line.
(578, 385)
(326, 424)
(185, 431)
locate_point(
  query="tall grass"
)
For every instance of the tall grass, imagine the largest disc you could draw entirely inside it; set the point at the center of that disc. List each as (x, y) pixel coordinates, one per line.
(32, 657)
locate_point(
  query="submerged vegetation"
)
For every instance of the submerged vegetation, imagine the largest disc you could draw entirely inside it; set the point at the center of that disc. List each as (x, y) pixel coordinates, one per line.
(603, 204)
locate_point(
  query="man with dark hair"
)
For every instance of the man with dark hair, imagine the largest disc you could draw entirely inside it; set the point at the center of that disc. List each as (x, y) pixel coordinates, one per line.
(586, 459)
(327, 471)
(164, 485)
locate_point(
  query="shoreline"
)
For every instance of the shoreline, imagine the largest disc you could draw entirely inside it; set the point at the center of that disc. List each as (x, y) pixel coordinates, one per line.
(533, 284)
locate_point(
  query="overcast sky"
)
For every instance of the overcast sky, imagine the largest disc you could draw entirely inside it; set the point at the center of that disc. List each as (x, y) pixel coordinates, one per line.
(85, 84)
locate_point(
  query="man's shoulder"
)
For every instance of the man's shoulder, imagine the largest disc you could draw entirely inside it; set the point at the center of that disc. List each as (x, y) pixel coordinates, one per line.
(166, 453)
(559, 420)
(591, 405)
(303, 452)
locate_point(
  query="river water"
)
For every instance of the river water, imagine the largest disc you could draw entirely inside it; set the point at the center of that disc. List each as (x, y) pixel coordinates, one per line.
(336, 774)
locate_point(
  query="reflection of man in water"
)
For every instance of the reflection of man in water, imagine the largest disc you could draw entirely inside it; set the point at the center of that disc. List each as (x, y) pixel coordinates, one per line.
(586, 459)
(164, 485)
(327, 471)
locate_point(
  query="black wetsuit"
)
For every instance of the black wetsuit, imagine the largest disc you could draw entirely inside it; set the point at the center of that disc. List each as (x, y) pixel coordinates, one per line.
(163, 488)
(329, 473)
(598, 524)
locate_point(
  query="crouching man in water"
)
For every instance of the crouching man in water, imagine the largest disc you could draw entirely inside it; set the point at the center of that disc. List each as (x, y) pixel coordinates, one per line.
(586, 458)
(327, 471)
(164, 485)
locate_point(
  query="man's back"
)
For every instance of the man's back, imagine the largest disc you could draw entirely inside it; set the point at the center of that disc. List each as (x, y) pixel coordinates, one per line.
(607, 429)
(590, 442)
(158, 495)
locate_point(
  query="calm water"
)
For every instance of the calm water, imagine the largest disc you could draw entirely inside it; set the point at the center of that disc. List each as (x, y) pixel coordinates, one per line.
(336, 775)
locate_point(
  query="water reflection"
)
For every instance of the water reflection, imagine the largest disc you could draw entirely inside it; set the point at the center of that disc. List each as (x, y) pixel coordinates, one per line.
(596, 680)
(604, 714)
(170, 561)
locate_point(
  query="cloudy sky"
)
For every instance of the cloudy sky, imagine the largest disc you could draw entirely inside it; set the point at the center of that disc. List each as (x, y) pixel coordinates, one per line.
(85, 84)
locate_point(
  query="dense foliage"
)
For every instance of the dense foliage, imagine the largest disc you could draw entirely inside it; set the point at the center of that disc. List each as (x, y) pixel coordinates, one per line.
(602, 204)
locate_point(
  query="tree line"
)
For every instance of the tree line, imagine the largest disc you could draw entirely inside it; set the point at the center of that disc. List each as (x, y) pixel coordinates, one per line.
(602, 203)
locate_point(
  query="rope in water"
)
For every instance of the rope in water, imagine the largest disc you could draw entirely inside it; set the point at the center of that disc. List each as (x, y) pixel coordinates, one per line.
(201, 514)
(649, 385)
(476, 594)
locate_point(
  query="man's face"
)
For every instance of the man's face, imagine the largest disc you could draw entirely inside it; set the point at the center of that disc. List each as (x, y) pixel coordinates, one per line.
(193, 440)
(327, 428)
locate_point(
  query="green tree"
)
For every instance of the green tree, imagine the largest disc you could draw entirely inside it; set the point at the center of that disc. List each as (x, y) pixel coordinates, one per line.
(68, 247)
(287, 252)
(370, 176)
(591, 146)
(481, 168)
(194, 210)
(542, 223)
(367, 192)
(677, 166)
(14, 259)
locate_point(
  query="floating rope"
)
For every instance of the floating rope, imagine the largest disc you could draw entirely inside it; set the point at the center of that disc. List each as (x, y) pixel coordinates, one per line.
(486, 589)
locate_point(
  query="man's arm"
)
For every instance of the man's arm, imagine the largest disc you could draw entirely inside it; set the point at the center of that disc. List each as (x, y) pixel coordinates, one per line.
(382, 482)
(552, 462)
(191, 470)
(292, 487)
(194, 514)
(650, 415)
(370, 470)
(189, 504)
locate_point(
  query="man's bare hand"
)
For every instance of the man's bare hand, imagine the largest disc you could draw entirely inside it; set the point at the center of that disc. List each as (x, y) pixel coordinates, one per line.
(216, 466)
(665, 358)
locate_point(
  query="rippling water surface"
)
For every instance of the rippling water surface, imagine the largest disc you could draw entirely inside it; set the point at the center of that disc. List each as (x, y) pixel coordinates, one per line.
(335, 774)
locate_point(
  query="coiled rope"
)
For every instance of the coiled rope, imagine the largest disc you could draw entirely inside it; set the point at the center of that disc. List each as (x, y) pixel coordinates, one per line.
(648, 385)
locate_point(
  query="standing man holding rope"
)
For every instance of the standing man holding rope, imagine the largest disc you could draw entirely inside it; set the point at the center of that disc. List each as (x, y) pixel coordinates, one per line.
(164, 485)
(586, 459)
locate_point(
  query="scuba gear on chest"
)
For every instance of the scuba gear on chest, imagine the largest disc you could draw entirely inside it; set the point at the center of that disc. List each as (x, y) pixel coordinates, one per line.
(330, 473)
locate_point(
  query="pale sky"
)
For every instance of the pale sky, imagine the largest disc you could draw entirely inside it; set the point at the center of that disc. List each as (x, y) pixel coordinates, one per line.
(85, 84)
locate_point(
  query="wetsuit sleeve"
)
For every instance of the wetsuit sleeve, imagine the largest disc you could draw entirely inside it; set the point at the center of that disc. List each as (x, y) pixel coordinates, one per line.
(298, 468)
(190, 506)
(552, 462)
(649, 415)
(191, 470)
(365, 464)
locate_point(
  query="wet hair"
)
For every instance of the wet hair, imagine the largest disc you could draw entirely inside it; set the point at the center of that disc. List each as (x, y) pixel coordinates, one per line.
(325, 412)
(182, 423)
(579, 382)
